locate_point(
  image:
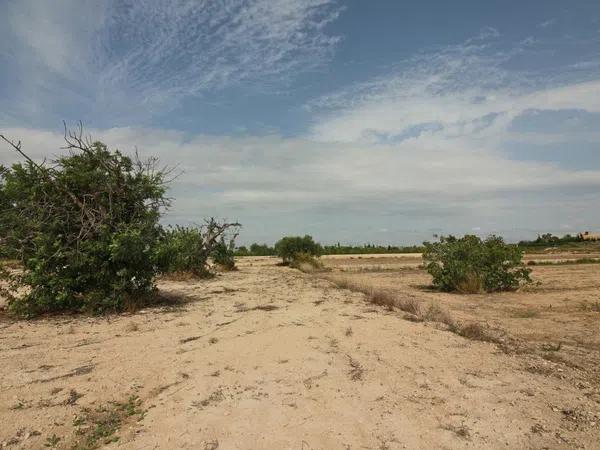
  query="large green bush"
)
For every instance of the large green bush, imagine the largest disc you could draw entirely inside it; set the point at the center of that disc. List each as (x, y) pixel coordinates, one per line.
(470, 264)
(290, 246)
(84, 227)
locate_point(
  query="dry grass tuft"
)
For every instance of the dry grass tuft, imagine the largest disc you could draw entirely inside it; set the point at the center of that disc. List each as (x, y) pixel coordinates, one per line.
(415, 311)
(472, 284)
(382, 298)
(474, 331)
(435, 313)
(356, 369)
(411, 306)
(131, 327)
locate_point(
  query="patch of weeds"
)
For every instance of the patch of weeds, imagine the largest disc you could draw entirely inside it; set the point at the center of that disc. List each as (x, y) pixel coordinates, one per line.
(549, 347)
(460, 430)
(216, 397)
(356, 369)
(257, 308)
(52, 441)
(382, 298)
(411, 306)
(98, 427)
(592, 307)
(131, 327)
(473, 331)
(349, 332)
(19, 405)
(435, 313)
(525, 313)
(189, 339)
(73, 397)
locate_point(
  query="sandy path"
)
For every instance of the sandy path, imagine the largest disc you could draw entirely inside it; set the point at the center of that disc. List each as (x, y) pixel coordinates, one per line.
(317, 368)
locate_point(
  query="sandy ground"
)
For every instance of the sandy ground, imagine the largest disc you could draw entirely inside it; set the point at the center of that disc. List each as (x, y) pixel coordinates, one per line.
(560, 309)
(270, 358)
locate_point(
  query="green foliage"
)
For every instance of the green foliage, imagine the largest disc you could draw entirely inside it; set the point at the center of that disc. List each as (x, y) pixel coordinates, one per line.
(182, 249)
(188, 249)
(470, 265)
(290, 246)
(548, 239)
(339, 249)
(84, 228)
(256, 250)
(223, 254)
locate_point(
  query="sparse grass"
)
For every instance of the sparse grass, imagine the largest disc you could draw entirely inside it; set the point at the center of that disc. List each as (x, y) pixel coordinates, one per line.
(131, 327)
(307, 263)
(52, 441)
(216, 397)
(415, 311)
(590, 306)
(356, 369)
(460, 430)
(435, 313)
(98, 427)
(379, 297)
(549, 347)
(566, 262)
(525, 313)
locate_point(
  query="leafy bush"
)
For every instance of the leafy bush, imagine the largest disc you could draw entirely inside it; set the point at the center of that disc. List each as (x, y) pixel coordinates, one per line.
(181, 249)
(84, 227)
(288, 247)
(470, 265)
(223, 254)
(187, 249)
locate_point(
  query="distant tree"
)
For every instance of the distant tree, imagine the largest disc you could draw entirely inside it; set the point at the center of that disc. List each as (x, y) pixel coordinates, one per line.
(290, 246)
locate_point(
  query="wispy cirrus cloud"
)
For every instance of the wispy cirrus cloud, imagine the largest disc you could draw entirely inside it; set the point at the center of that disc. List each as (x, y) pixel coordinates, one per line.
(468, 90)
(127, 58)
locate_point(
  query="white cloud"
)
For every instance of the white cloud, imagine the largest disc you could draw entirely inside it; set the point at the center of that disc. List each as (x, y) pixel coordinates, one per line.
(414, 149)
(128, 58)
(459, 91)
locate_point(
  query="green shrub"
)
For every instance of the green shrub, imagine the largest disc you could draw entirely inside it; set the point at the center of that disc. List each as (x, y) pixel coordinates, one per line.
(470, 265)
(181, 249)
(288, 247)
(187, 249)
(84, 227)
(223, 254)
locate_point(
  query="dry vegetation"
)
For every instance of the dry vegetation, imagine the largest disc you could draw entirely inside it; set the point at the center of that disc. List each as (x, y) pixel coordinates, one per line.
(555, 318)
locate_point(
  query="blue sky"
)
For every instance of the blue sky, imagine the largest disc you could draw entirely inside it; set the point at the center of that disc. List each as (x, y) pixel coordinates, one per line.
(380, 121)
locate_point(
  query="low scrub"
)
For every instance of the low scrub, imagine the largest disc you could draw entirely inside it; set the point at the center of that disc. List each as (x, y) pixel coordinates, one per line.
(306, 263)
(472, 265)
(85, 230)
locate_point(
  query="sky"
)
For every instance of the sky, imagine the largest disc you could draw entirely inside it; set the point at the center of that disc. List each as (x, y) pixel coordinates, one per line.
(381, 121)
